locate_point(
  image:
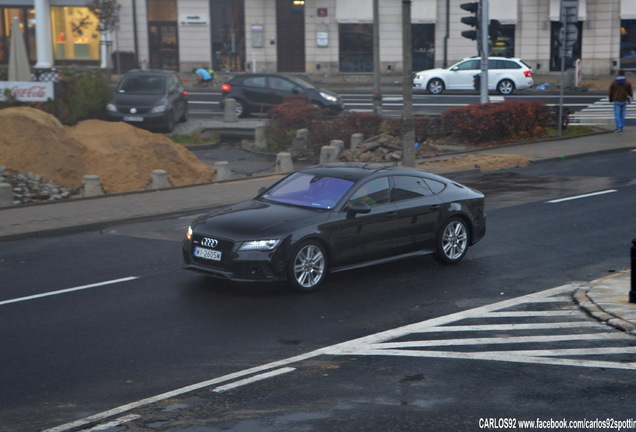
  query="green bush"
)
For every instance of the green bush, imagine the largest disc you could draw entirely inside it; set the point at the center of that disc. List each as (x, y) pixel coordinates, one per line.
(497, 122)
(81, 95)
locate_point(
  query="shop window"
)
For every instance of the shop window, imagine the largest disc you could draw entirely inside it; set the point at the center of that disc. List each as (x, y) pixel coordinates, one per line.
(423, 36)
(502, 40)
(75, 34)
(26, 16)
(227, 25)
(628, 44)
(356, 47)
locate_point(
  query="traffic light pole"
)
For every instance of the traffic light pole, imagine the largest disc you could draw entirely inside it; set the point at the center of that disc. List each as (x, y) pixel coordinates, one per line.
(483, 51)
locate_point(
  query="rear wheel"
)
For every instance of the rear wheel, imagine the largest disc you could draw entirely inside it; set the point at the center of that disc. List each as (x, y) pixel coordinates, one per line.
(505, 87)
(241, 108)
(307, 266)
(170, 122)
(435, 86)
(452, 241)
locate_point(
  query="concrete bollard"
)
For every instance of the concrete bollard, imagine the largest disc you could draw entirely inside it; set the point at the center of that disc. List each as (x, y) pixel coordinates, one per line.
(92, 186)
(327, 154)
(338, 146)
(222, 171)
(260, 138)
(229, 112)
(159, 179)
(356, 140)
(284, 163)
(6, 195)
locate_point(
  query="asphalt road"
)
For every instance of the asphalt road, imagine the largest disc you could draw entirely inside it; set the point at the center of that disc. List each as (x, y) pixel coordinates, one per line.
(80, 353)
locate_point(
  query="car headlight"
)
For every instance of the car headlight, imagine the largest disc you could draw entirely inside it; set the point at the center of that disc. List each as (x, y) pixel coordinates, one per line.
(259, 245)
(189, 233)
(328, 97)
(419, 77)
(159, 108)
(111, 107)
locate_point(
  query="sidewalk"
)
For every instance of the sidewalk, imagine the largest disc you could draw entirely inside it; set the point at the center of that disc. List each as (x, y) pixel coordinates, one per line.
(605, 299)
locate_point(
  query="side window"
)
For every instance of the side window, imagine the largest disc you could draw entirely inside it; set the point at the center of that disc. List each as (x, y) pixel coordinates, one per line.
(511, 65)
(280, 84)
(255, 82)
(372, 193)
(469, 65)
(435, 186)
(407, 187)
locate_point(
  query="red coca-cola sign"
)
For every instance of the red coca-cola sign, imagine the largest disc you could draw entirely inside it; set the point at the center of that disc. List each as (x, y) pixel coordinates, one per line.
(28, 91)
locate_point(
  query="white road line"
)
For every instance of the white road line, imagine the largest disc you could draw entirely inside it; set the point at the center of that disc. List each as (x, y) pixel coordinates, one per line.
(582, 196)
(118, 422)
(253, 379)
(365, 345)
(68, 290)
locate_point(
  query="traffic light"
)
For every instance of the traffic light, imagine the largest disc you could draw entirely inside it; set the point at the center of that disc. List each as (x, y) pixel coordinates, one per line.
(473, 20)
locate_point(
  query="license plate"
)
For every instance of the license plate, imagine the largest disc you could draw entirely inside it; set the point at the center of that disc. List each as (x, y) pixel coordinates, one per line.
(207, 254)
(133, 118)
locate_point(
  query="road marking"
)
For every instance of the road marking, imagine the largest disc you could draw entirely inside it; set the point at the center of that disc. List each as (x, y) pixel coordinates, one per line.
(118, 422)
(582, 196)
(68, 290)
(383, 344)
(253, 379)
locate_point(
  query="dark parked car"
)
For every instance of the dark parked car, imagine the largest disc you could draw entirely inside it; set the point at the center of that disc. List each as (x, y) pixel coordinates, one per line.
(260, 92)
(149, 98)
(335, 217)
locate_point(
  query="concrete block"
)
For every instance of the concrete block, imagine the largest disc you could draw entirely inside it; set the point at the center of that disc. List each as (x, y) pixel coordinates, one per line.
(260, 138)
(159, 179)
(222, 171)
(92, 186)
(284, 163)
(6, 195)
(356, 140)
(229, 112)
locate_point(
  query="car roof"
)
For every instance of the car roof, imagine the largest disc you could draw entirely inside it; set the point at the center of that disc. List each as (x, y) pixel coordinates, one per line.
(150, 72)
(356, 171)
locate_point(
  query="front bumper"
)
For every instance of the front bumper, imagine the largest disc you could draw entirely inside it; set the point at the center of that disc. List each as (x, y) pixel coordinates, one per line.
(149, 120)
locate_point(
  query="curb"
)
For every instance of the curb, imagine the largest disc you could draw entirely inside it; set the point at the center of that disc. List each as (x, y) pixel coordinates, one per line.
(581, 298)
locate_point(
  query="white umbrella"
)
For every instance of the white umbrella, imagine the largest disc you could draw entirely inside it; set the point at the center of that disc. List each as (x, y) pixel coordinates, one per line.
(19, 67)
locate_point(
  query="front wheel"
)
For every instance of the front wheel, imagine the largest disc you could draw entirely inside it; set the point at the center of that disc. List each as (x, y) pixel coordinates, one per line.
(435, 86)
(307, 266)
(452, 241)
(505, 87)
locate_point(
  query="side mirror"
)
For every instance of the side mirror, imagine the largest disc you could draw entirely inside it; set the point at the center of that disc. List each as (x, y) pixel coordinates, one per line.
(358, 208)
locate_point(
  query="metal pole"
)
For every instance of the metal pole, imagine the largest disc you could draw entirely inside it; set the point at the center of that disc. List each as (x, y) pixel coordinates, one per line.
(483, 92)
(562, 55)
(408, 129)
(447, 35)
(632, 293)
(377, 92)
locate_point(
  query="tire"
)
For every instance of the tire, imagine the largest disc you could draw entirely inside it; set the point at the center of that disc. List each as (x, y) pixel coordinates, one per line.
(169, 122)
(184, 117)
(452, 241)
(435, 86)
(505, 87)
(241, 108)
(307, 267)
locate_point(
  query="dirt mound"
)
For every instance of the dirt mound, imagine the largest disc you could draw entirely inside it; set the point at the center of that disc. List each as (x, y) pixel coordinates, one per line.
(490, 162)
(122, 155)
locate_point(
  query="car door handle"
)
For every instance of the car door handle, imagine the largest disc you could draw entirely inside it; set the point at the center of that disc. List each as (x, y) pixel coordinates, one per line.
(435, 207)
(391, 215)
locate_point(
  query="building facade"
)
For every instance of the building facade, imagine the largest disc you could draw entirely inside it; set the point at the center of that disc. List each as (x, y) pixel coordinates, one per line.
(318, 36)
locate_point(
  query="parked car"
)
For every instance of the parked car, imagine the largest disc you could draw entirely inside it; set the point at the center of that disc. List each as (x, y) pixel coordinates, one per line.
(149, 98)
(505, 75)
(260, 92)
(335, 217)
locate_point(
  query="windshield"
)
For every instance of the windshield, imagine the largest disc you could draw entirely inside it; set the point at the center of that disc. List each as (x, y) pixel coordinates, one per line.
(142, 85)
(309, 190)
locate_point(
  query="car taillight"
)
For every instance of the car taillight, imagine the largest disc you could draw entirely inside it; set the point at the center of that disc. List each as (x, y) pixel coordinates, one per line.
(226, 87)
(528, 74)
(185, 93)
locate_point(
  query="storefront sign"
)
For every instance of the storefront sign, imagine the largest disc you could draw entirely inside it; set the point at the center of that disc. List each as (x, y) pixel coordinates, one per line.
(193, 20)
(27, 91)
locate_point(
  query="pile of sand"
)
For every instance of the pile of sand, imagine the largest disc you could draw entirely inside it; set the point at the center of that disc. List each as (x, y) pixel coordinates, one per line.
(122, 155)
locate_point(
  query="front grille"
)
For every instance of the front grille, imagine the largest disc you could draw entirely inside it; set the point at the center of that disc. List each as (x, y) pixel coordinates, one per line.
(224, 246)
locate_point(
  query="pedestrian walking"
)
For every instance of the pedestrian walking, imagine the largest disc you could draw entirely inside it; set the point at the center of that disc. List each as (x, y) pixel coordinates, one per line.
(620, 93)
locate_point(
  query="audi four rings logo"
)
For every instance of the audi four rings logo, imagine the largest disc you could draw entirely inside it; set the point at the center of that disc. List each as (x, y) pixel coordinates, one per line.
(209, 242)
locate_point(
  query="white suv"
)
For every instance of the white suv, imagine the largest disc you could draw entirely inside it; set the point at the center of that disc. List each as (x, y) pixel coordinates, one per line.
(504, 75)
